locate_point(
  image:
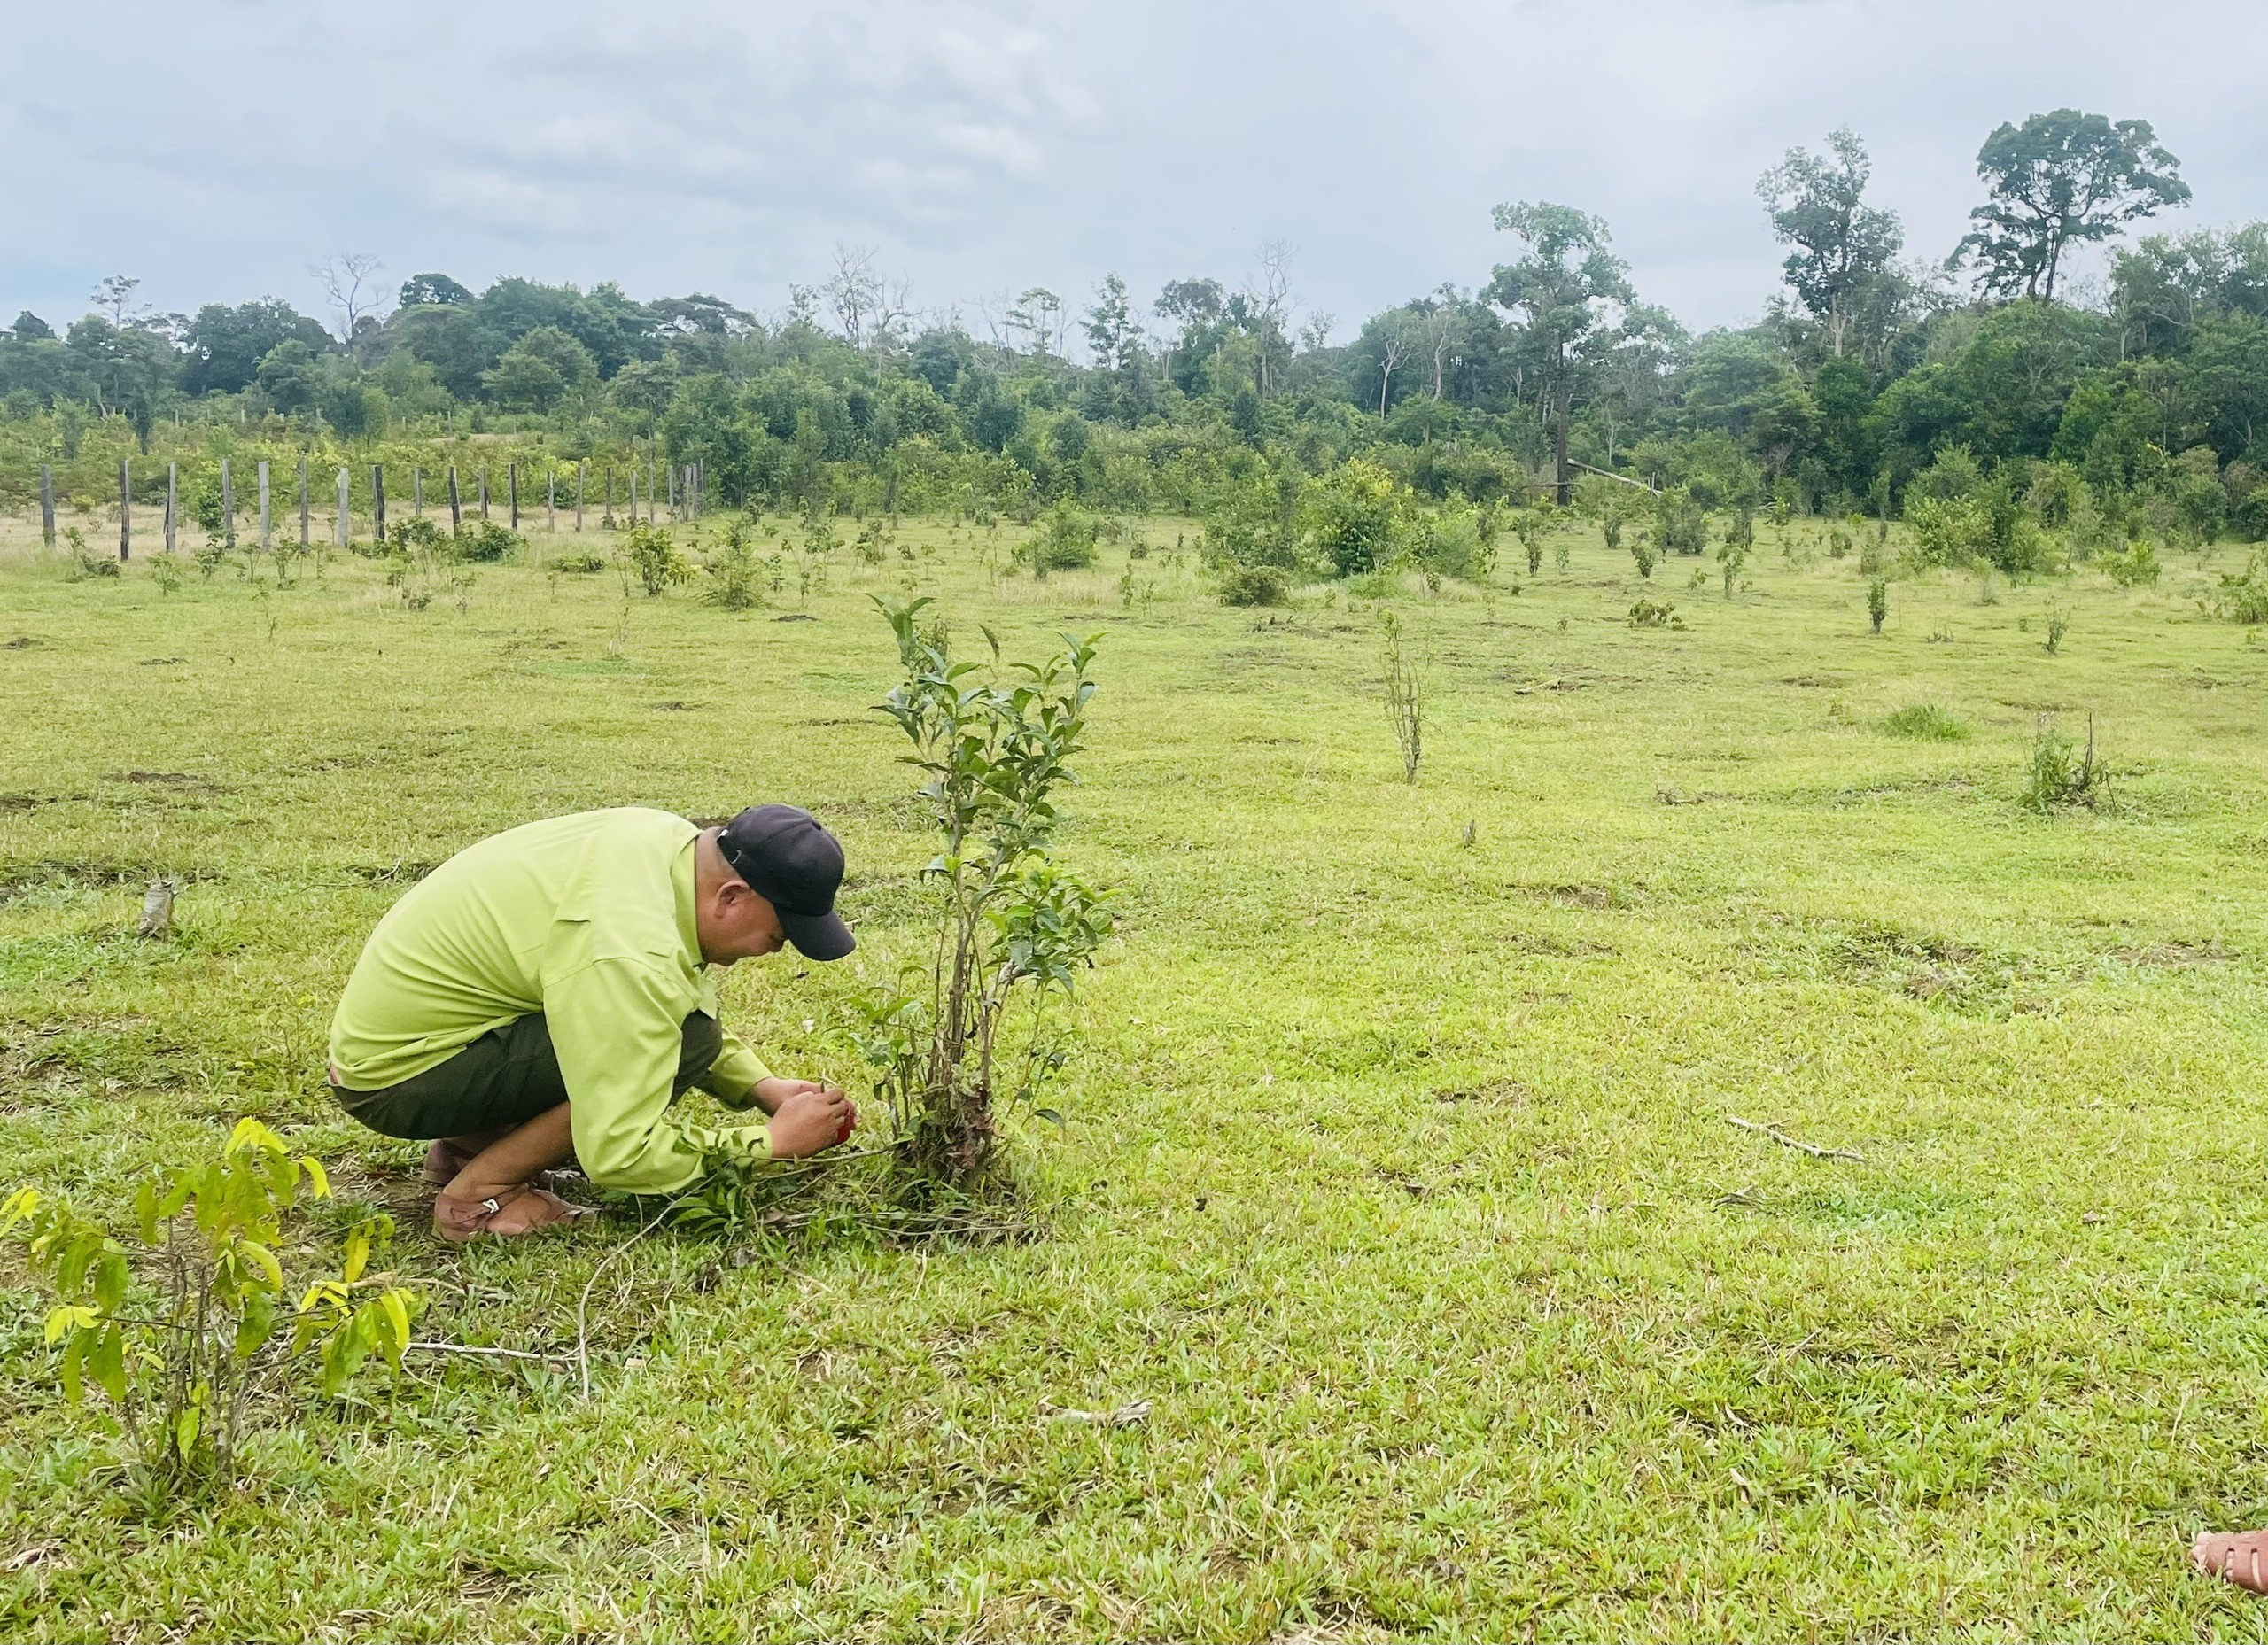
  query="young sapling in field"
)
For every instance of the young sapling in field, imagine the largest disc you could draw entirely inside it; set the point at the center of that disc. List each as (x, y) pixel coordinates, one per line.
(650, 555)
(174, 1321)
(1878, 602)
(2059, 624)
(1015, 928)
(1404, 699)
(2058, 777)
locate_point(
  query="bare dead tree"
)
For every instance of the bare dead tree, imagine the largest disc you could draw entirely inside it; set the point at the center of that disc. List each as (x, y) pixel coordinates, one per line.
(1440, 335)
(854, 290)
(1272, 306)
(1396, 349)
(347, 285)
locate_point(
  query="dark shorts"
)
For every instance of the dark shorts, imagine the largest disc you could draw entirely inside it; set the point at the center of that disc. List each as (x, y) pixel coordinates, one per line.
(503, 1079)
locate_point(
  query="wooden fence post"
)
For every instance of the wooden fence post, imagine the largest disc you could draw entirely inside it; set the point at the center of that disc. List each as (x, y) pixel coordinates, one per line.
(417, 492)
(266, 536)
(512, 485)
(379, 502)
(125, 511)
(173, 504)
(345, 508)
(484, 490)
(228, 508)
(47, 504)
(578, 494)
(305, 505)
(456, 510)
(673, 486)
(633, 496)
(605, 519)
(551, 497)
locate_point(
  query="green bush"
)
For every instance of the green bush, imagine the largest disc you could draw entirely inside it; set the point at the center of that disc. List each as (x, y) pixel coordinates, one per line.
(1685, 524)
(652, 556)
(1354, 513)
(1255, 586)
(484, 542)
(1878, 602)
(1065, 541)
(1655, 614)
(1926, 722)
(2137, 566)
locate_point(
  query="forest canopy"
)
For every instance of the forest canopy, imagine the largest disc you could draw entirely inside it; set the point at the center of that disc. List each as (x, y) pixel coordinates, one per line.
(1873, 381)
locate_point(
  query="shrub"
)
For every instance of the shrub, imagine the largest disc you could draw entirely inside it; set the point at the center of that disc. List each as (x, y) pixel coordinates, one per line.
(1878, 602)
(1655, 614)
(1449, 543)
(1255, 586)
(172, 1320)
(579, 565)
(1065, 541)
(1354, 513)
(2136, 567)
(651, 555)
(484, 542)
(1013, 924)
(1642, 550)
(1685, 524)
(1926, 722)
(2056, 777)
(2059, 624)
(735, 574)
(2245, 598)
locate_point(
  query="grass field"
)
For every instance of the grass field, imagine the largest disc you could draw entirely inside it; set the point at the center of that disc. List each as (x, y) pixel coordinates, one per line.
(1399, 1175)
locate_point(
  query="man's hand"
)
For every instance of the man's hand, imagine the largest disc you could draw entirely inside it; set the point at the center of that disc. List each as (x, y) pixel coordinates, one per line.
(810, 1119)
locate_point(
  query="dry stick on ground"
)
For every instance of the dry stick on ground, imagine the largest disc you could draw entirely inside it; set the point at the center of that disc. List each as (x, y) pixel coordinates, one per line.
(583, 1306)
(1796, 1143)
(501, 1354)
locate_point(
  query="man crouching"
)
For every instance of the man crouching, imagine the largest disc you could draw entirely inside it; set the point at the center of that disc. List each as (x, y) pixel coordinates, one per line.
(545, 996)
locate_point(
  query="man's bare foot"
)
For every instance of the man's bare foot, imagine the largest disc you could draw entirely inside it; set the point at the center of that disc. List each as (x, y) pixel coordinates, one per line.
(505, 1215)
(2241, 1557)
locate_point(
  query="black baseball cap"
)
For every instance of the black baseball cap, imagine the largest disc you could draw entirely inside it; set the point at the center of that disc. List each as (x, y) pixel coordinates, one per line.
(794, 864)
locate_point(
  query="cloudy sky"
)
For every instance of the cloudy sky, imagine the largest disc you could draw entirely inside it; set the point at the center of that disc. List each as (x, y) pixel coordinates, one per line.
(215, 149)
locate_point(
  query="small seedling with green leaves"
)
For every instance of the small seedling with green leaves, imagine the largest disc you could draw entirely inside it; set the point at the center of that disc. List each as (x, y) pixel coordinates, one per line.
(174, 1321)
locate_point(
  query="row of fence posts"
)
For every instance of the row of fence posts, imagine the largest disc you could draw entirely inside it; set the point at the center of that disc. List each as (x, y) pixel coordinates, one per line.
(687, 490)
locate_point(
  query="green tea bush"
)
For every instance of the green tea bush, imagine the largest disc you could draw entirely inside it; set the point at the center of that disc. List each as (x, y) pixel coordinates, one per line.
(735, 574)
(2245, 598)
(1926, 722)
(174, 1320)
(1685, 524)
(2136, 567)
(1065, 541)
(1255, 586)
(650, 555)
(484, 542)
(1013, 926)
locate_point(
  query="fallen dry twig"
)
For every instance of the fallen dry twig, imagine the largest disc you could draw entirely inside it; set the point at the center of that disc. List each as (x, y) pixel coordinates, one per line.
(1796, 1143)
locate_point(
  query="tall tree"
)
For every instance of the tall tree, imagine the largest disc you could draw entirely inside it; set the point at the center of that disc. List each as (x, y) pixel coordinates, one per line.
(2061, 180)
(1567, 291)
(1817, 204)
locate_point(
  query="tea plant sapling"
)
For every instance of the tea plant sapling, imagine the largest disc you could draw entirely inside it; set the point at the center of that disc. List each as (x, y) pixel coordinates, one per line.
(651, 555)
(1404, 702)
(174, 1322)
(1013, 927)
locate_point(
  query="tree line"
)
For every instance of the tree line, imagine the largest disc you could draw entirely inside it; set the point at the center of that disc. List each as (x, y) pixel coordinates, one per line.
(1986, 380)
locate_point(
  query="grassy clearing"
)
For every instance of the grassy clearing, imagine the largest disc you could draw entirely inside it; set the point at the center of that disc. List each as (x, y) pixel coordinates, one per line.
(1398, 1176)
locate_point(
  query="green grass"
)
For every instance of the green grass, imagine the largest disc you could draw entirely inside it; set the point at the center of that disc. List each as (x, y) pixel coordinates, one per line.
(1398, 1175)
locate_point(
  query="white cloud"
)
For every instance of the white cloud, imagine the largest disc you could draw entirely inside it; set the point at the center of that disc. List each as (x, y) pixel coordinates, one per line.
(990, 144)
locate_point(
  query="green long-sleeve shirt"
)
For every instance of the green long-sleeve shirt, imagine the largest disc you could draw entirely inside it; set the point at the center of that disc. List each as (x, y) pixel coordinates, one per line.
(587, 919)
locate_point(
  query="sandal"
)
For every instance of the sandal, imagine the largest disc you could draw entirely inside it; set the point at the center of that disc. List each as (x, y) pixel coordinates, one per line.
(2233, 1555)
(458, 1224)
